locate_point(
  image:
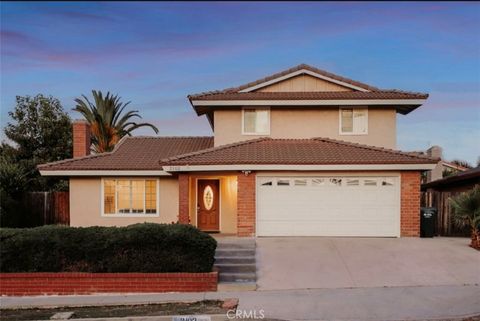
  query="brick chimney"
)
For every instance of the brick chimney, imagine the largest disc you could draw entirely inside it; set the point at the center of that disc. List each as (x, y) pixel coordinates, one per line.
(81, 138)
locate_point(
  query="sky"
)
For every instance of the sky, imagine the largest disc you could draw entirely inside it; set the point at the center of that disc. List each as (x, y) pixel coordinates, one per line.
(155, 54)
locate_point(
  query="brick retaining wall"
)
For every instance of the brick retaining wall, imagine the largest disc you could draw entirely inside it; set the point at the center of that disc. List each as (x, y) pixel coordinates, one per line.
(41, 283)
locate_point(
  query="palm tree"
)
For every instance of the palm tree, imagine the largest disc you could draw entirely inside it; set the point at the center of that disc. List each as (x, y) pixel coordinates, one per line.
(107, 123)
(466, 212)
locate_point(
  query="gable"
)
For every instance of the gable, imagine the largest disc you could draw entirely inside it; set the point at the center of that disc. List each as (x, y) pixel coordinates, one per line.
(303, 83)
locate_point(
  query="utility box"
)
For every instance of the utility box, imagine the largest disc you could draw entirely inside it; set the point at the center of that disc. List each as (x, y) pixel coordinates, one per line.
(428, 219)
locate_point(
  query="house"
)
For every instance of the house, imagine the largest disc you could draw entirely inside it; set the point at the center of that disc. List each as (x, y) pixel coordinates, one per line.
(303, 152)
(460, 182)
(443, 167)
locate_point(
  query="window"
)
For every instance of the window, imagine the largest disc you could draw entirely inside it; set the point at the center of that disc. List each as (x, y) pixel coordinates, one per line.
(353, 182)
(318, 181)
(283, 182)
(335, 181)
(370, 182)
(300, 182)
(353, 121)
(256, 121)
(387, 181)
(129, 196)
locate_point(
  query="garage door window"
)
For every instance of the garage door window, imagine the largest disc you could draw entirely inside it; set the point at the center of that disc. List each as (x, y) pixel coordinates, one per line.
(318, 181)
(300, 182)
(353, 182)
(283, 182)
(335, 181)
(370, 182)
(388, 181)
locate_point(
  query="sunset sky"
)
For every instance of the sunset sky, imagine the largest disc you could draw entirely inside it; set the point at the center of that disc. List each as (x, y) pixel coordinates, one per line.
(155, 54)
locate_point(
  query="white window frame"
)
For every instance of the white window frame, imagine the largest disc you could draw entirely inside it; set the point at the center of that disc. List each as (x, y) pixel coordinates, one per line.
(353, 133)
(243, 121)
(102, 197)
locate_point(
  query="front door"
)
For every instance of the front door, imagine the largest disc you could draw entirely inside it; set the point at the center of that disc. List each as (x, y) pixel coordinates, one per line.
(208, 210)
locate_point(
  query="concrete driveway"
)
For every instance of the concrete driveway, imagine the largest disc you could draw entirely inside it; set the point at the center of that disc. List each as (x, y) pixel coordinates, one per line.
(319, 262)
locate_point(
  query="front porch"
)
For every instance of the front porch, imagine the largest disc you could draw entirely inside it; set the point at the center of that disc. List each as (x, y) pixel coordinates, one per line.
(221, 203)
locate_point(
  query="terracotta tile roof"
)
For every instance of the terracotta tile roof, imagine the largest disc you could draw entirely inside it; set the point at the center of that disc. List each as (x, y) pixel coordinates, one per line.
(134, 153)
(314, 151)
(286, 72)
(325, 95)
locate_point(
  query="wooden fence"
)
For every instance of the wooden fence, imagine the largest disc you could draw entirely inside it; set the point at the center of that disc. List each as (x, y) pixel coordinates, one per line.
(444, 223)
(48, 207)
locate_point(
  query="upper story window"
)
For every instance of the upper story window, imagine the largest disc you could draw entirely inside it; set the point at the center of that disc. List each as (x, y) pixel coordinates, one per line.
(256, 121)
(130, 197)
(353, 121)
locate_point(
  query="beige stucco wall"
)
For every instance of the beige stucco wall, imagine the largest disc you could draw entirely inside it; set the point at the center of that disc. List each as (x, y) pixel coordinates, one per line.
(85, 204)
(303, 83)
(228, 201)
(308, 123)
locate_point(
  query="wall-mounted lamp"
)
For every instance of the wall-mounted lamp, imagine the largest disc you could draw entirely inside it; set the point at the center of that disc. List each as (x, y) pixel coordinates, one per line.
(246, 172)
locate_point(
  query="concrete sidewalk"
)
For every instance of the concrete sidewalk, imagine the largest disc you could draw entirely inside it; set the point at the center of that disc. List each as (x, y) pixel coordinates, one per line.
(395, 303)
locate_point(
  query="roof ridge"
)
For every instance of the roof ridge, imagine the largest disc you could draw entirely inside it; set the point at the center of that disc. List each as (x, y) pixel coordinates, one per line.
(306, 95)
(381, 149)
(215, 148)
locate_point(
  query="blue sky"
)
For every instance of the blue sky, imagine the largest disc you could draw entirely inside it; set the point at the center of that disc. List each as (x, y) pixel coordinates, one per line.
(155, 54)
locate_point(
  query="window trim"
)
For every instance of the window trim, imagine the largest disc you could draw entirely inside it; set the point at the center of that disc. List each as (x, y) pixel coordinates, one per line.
(102, 198)
(243, 121)
(353, 133)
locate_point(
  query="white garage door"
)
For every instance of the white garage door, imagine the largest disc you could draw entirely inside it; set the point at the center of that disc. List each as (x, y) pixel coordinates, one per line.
(328, 206)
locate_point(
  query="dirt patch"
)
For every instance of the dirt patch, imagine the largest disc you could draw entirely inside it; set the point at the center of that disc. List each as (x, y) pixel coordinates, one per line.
(200, 307)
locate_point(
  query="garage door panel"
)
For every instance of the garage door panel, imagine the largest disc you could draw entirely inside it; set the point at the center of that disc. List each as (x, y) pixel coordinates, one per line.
(335, 228)
(328, 206)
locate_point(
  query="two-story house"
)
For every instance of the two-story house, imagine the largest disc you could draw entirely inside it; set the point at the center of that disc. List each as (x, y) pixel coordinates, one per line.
(300, 153)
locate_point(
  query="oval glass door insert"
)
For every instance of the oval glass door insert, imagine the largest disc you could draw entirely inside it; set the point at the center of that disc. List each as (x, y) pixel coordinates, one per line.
(208, 198)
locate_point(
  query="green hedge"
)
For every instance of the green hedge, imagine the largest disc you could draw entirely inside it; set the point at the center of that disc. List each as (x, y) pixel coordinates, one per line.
(136, 248)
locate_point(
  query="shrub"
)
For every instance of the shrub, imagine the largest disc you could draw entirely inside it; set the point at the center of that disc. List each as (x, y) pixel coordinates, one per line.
(466, 212)
(144, 247)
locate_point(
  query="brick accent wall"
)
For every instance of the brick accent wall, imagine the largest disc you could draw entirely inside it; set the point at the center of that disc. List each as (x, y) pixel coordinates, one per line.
(81, 138)
(246, 204)
(17, 284)
(183, 190)
(410, 204)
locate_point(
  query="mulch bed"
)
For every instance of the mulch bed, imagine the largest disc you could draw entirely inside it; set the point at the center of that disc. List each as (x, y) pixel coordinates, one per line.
(110, 311)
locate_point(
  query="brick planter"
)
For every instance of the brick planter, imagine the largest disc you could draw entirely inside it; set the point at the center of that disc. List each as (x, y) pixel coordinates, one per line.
(16, 284)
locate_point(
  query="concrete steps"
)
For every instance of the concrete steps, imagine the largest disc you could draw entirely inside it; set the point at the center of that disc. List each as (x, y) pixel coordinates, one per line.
(235, 261)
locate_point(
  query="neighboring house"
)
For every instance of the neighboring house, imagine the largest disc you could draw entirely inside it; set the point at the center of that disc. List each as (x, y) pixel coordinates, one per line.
(460, 182)
(443, 168)
(300, 153)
